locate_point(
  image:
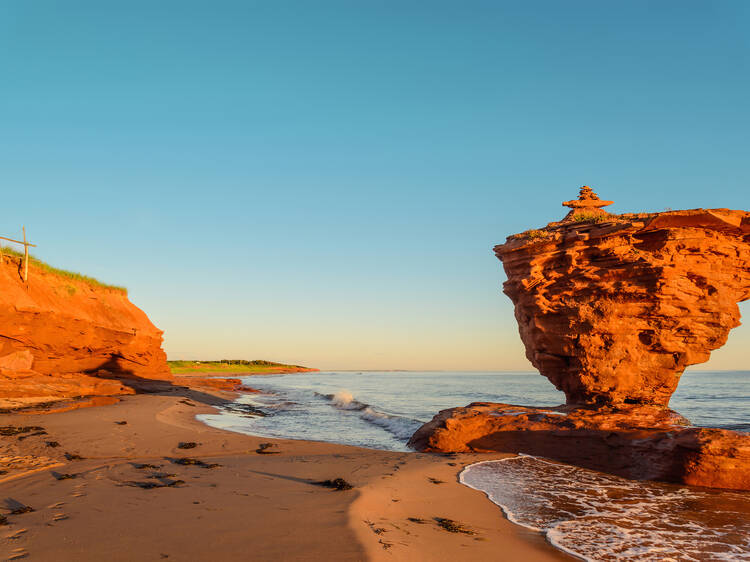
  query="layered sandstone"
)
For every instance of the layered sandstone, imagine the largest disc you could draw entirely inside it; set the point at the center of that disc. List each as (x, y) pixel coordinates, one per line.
(611, 309)
(62, 337)
(640, 442)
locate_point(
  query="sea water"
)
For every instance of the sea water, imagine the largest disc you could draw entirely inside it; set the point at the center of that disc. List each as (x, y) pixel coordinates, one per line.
(591, 515)
(370, 409)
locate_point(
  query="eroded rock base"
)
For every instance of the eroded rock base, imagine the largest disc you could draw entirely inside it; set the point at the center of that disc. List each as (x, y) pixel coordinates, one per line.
(638, 442)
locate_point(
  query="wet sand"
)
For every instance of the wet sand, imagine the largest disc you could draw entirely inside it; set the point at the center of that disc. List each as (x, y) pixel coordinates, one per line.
(128, 497)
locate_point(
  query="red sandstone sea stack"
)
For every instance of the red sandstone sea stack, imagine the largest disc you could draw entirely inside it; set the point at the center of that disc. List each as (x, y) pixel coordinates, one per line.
(611, 309)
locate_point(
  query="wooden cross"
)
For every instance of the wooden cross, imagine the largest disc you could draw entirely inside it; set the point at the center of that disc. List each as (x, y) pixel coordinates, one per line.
(26, 245)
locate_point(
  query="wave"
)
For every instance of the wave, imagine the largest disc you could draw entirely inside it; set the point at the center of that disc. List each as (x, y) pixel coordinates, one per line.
(343, 400)
(597, 516)
(401, 427)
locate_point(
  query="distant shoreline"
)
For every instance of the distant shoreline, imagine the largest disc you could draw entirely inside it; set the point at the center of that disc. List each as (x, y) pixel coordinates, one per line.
(234, 367)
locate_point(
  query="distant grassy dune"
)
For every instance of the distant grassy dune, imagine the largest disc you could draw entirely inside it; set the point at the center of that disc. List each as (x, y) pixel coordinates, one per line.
(234, 366)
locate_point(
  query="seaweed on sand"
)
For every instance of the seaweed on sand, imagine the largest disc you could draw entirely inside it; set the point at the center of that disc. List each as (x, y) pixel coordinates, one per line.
(142, 466)
(453, 526)
(10, 430)
(263, 449)
(187, 461)
(152, 485)
(63, 476)
(337, 484)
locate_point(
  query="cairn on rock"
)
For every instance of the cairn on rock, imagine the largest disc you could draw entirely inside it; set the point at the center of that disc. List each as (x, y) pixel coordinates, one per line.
(588, 205)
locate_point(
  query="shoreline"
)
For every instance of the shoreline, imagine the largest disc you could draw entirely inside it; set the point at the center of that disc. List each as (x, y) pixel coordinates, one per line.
(260, 503)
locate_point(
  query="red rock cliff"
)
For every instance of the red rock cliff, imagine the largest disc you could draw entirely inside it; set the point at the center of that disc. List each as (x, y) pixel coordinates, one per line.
(612, 310)
(61, 337)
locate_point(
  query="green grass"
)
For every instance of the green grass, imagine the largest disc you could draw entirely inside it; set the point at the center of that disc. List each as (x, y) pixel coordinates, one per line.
(535, 234)
(39, 264)
(228, 365)
(588, 217)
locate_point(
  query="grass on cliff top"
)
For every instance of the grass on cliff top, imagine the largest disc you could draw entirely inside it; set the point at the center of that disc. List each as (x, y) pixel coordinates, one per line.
(589, 217)
(39, 264)
(228, 365)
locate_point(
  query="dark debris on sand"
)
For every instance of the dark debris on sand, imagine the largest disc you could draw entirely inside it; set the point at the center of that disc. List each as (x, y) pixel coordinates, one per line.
(187, 445)
(187, 461)
(142, 466)
(73, 457)
(453, 526)
(22, 437)
(337, 484)
(152, 485)
(10, 430)
(263, 449)
(63, 476)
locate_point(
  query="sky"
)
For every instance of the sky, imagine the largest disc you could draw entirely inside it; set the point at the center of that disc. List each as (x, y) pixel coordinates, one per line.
(322, 183)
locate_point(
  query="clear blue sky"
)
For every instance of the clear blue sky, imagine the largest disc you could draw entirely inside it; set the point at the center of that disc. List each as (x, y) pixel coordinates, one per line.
(323, 182)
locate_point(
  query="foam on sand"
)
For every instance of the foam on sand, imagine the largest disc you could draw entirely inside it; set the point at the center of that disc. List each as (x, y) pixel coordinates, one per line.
(598, 516)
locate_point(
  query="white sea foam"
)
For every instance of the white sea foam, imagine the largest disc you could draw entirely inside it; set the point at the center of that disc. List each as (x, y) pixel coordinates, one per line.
(597, 516)
(400, 426)
(344, 400)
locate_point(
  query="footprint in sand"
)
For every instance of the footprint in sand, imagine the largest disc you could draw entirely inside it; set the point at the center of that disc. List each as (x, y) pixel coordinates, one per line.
(18, 553)
(60, 517)
(56, 505)
(17, 535)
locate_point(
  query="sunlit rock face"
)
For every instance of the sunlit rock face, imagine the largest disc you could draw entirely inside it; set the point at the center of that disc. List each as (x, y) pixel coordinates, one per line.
(612, 308)
(643, 442)
(62, 338)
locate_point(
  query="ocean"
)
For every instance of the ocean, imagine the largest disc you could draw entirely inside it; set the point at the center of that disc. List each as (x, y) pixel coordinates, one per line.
(591, 515)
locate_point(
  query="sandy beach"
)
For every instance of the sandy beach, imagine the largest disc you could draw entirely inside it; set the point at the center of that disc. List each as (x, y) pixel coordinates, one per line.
(103, 489)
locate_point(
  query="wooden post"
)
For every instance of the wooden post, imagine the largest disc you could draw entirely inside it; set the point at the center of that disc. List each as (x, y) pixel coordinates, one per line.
(25, 257)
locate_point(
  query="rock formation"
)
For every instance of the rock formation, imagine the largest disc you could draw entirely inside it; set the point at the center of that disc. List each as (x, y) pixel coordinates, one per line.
(633, 441)
(611, 309)
(62, 337)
